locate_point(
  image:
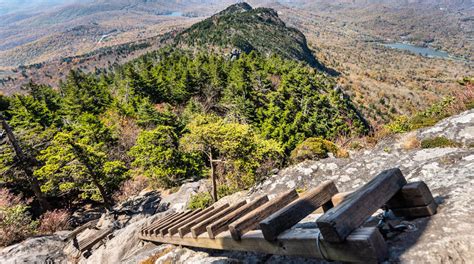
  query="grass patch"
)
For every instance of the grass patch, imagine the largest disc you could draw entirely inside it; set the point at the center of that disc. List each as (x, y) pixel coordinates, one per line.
(438, 142)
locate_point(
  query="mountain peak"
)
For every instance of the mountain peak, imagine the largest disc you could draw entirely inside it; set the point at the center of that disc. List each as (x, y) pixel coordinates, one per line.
(236, 8)
(247, 29)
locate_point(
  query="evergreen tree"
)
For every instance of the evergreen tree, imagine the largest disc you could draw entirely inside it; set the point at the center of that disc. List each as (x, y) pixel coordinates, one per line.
(84, 93)
(77, 160)
(157, 156)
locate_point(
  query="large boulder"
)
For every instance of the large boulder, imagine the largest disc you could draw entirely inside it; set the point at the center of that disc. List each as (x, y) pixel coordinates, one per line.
(46, 249)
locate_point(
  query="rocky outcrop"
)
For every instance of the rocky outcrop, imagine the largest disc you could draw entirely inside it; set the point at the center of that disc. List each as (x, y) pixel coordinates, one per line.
(443, 238)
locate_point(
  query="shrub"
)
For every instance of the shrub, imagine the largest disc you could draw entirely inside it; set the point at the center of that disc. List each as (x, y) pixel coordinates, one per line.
(313, 149)
(53, 221)
(204, 199)
(200, 200)
(15, 221)
(400, 125)
(438, 142)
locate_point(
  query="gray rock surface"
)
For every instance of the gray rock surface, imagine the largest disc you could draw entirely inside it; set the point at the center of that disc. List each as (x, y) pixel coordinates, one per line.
(35, 250)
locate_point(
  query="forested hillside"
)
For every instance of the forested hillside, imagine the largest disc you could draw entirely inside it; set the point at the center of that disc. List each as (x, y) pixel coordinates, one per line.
(171, 116)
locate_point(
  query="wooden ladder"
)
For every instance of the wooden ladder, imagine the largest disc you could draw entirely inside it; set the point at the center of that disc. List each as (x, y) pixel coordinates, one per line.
(267, 226)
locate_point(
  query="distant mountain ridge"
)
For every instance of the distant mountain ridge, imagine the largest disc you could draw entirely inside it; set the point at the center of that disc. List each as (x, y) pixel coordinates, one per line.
(242, 27)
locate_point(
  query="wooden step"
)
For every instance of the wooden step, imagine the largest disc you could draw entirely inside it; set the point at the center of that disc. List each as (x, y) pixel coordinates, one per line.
(159, 221)
(165, 229)
(183, 215)
(187, 227)
(88, 243)
(200, 228)
(294, 212)
(174, 229)
(340, 221)
(251, 220)
(223, 224)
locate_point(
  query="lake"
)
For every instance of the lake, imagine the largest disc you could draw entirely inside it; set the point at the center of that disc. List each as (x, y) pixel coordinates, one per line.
(427, 52)
(175, 14)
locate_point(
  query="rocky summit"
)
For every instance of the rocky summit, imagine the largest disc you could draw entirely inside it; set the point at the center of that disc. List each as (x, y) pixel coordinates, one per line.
(444, 237)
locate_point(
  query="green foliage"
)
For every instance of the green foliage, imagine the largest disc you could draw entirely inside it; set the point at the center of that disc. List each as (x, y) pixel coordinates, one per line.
(438, 142)
(240, 149)
(157, 155)
(85, 93)
(313, 149)
(77, 160)
(200, 201)
(204, 199)
(283, 100)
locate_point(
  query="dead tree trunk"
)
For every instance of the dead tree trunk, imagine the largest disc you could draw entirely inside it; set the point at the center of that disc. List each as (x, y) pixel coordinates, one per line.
(213, 177)
(25, 162)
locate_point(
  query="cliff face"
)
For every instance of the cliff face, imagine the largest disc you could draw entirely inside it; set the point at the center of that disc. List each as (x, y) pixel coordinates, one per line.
(443, 238)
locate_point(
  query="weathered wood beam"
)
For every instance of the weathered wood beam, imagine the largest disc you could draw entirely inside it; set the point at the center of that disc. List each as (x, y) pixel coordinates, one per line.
(294, 212)
(412, 194)
(89, 243)
(174, 229)
(153, 226)
(340, 221)
(159, 221)
(340, 197)
(179, 217)
(413, 200)
(222, 224)
(364, 245)
(251, 220)
(164, 230)
(187, 227)
(201, 227)
(81, 228)
(417, 211)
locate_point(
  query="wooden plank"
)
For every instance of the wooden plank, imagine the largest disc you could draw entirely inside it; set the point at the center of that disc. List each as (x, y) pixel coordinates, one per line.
(187, 227)
(413, 194)
(148, 228)
(89, 243)
(340, 197)
(151, 228)
(179, 217)
(418, 211)
(81, 228)
(201, 227)
(159, 221)
(174, 229)
(222, 224)
(164, 230)
(291, 214)
(251, 220)
(339, 222)
(364, 245)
